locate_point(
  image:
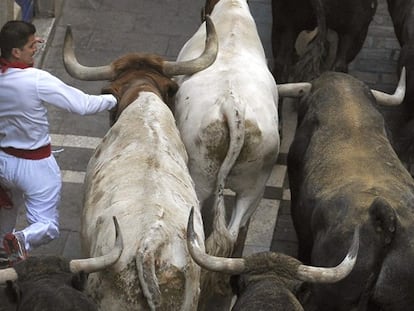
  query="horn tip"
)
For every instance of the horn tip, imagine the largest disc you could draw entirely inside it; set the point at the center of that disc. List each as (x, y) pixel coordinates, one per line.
(355, 244)
(190, 225)
(118, 235)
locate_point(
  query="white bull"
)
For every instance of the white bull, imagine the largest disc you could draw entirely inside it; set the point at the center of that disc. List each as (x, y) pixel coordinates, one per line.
(228, 119)
(139, 174)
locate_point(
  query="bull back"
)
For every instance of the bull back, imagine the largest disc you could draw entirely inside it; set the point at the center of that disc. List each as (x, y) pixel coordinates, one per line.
(227, 117)
(139, 173)
(343, 172)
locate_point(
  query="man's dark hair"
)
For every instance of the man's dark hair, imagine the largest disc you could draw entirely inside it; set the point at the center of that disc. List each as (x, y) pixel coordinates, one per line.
(15, 34)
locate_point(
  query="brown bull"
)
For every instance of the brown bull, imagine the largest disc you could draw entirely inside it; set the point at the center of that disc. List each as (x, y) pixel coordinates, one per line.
(139, 172)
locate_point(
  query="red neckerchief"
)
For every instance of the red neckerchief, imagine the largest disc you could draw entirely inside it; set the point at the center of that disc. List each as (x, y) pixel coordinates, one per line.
(5, 64)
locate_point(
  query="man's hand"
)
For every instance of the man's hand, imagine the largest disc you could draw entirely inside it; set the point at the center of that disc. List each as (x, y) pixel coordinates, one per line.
(113, 113)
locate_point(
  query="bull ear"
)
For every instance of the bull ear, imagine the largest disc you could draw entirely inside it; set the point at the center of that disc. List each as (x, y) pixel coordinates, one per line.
(113, 115)
(79, 281)
(383, 218)
(235, 284)
(303, 291)
(172, 89)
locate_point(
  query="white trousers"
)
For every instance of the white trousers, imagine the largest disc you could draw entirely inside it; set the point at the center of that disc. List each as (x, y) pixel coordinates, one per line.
(38, 183)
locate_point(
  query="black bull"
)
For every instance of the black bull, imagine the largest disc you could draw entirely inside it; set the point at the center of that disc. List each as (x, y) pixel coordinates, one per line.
(401, 119)
(47, 284)
(52, 283)
(268, 280)
(343, 173)
(349, 19)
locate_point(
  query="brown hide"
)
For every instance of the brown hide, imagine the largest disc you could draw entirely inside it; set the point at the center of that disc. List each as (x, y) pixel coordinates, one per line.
(135, 73)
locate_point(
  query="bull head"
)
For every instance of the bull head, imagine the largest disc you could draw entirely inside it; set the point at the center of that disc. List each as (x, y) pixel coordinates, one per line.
(300, 89)
(88, 265)
(170, 68)
(240, 265)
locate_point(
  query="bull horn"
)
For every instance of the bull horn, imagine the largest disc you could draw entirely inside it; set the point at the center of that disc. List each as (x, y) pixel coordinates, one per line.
(8, 274)
(385, 99)
(78, 71)
(335, 274)
(203, 61)
(90, 265)
(211, 263)
(294, 89)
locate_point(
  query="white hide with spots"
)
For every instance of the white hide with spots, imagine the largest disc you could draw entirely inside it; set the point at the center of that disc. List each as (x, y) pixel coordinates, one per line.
(139, 174)
(227, 115)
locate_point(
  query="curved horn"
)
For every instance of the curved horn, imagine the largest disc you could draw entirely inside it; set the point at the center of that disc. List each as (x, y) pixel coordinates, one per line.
(294, 89)
(79, 71)
(90, 265)
(203, 61)
(211, 263)
(238, 265)
(398, 96)
(331, 275)
(8, 274)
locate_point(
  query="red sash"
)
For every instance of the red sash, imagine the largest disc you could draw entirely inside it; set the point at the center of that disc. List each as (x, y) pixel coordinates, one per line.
(5, 64)
(36, 154)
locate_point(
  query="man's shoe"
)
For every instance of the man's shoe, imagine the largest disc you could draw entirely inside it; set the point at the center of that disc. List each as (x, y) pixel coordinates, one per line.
(13, 244)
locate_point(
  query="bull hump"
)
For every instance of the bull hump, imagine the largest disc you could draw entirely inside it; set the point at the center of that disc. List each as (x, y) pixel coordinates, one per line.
(278, 263)
(35, 267)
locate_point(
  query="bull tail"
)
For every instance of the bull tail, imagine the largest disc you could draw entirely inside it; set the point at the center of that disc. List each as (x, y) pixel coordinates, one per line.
(317, 49)
(220, 242)
(145, 263)
(384, 220)
(153, 288)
